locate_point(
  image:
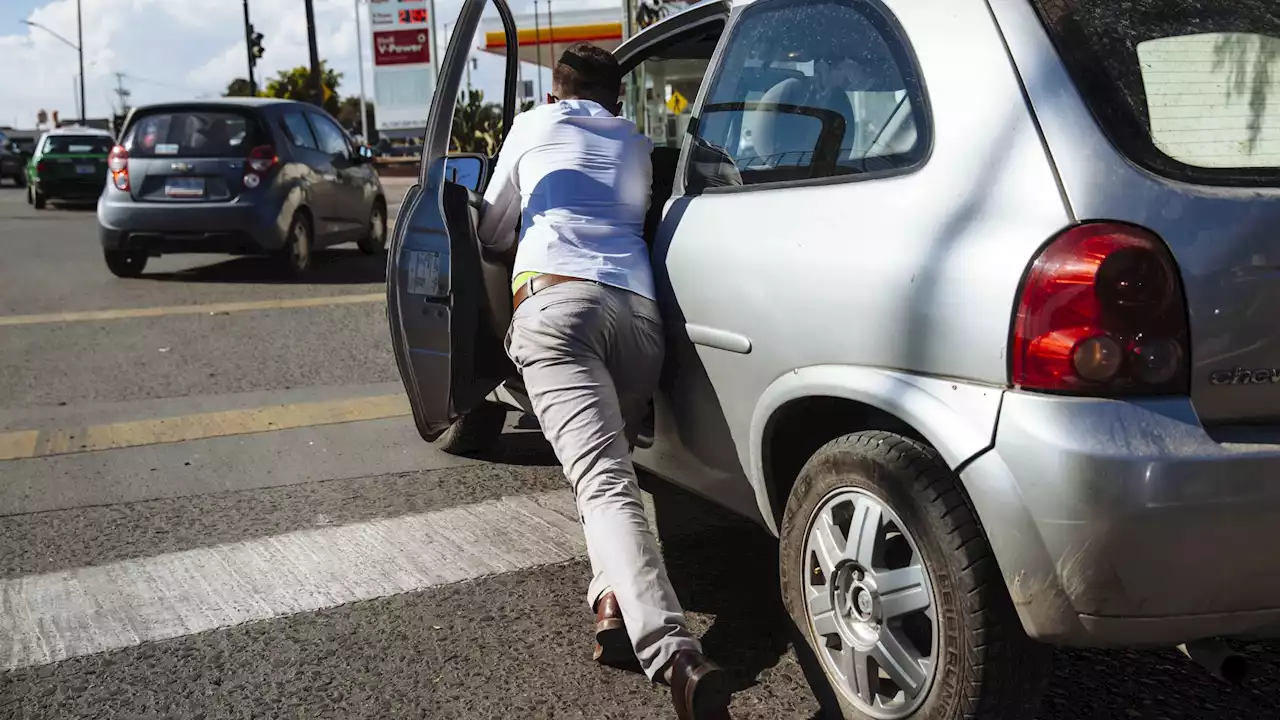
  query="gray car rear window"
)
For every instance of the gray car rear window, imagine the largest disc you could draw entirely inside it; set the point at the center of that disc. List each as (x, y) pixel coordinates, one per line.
(1187, 88)
(193, 133)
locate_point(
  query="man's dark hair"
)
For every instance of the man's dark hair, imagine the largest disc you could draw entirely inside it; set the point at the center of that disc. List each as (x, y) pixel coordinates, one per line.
(588, 72)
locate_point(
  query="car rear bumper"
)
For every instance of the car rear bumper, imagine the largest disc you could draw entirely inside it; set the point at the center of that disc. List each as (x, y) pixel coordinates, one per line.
(161, 228)
(70, 189)
(1126, 523)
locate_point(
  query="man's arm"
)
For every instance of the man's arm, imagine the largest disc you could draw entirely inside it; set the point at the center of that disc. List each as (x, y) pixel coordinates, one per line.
(500, 213)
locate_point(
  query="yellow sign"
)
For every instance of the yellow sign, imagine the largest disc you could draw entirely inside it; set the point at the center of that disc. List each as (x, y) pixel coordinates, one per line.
(676, 103)
(328, 93)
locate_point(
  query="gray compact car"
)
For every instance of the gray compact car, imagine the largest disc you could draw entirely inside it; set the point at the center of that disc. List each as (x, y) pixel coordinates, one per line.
(972, 303)
(238, 176)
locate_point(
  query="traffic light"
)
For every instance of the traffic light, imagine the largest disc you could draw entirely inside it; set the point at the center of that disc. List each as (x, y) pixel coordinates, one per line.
(255, 45)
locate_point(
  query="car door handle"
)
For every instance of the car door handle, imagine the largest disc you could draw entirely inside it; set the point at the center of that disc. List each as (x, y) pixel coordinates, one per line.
(717, 338)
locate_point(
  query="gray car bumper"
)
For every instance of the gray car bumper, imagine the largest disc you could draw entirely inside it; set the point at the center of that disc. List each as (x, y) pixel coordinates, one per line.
(1125, 523)
(175, 227)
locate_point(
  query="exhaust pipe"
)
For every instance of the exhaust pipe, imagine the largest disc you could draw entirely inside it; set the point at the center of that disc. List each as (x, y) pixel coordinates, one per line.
(1218, 658)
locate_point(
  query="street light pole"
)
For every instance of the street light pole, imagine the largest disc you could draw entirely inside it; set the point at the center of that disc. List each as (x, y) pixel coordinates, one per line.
(364, 115)
(80, 50)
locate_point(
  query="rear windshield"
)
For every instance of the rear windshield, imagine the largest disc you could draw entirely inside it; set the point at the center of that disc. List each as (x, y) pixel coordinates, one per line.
(1186, 88)
(70, 144)
(193, 133)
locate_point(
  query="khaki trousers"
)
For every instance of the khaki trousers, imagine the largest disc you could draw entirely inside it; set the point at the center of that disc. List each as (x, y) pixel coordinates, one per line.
(590, 355)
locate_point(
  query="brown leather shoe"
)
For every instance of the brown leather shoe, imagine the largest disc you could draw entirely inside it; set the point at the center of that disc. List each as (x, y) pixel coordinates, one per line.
(613, 646)
(699, 687)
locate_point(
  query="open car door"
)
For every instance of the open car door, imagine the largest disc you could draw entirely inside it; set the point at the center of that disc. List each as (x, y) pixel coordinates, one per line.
(448, 304)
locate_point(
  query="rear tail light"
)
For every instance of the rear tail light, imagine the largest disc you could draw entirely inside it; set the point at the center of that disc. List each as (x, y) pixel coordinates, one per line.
(118, 165)
(42, 166)
(1102, 314)
(260, 162)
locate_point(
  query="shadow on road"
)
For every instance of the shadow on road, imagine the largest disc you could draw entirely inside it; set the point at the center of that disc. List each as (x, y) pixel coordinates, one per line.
(340, 266)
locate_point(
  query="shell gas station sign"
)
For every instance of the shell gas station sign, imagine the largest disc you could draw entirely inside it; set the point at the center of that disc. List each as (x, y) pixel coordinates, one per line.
(403, 72)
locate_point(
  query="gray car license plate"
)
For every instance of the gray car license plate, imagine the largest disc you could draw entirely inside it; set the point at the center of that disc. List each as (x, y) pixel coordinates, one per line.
(184, 187)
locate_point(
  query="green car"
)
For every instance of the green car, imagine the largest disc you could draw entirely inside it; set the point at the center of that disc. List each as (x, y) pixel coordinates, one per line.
(68, 164)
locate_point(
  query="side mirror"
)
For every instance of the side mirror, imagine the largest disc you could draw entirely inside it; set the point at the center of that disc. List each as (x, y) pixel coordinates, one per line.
(466, 169)
(364, 154)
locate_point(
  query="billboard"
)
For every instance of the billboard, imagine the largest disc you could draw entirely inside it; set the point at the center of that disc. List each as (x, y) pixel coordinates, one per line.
(403, 68)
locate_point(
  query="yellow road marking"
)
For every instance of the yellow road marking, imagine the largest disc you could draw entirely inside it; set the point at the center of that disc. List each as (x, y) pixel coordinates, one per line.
(229, 307)
(18, 444)
(31, 443)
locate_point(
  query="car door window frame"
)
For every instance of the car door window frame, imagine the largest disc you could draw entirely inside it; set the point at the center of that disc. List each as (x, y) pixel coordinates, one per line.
(903, 53)
(315, 119)
(291, 135)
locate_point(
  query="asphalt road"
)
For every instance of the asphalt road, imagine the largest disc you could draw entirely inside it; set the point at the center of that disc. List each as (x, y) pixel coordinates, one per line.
(222, 511)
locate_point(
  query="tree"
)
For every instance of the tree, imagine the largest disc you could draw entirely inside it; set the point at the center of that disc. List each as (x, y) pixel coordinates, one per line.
(292, 84)
(238, 88)
(477, 125)
(349, 117)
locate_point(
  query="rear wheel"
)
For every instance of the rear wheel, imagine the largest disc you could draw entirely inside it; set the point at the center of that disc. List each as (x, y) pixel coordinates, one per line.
(376, 241)
(37, 199)
(476, 431)
(30, 200)
(125, 263)
(888, 575)
(296, 253)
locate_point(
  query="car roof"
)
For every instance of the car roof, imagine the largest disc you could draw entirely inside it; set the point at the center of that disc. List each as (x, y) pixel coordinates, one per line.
(78, 131)
(251, 102)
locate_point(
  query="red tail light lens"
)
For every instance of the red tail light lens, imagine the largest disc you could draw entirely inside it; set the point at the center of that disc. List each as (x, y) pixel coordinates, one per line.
(261, 160)
(118, 165)
(1102, 314)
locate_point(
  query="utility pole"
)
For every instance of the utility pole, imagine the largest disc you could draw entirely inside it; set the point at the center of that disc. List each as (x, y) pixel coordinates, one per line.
(80, 50)
(537, 44)
(122, 93)
(551, 28)
(364, 114)
(248, 49)
(314, 80)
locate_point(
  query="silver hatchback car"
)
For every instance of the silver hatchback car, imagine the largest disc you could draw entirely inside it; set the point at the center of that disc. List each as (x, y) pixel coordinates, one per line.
(972, 303)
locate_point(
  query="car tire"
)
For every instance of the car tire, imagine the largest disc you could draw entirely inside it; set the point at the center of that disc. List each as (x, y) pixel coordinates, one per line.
(474, 432)
(982, 663)
(375, 241)
(125, 263)
(298, 249)
(38, 199)
(30, 200)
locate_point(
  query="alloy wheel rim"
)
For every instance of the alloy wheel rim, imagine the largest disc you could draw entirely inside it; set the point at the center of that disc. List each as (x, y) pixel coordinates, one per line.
(870, 604)
(379, 228)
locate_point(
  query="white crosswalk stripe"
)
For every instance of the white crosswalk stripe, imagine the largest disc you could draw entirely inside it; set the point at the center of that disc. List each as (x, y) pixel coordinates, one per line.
(54, 616)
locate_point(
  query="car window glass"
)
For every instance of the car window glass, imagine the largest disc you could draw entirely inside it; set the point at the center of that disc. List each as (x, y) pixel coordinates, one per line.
(1190, 90)
(332, 139)
(194, 133)
(808, 90)
(666, 84)
(69, 144)
(296, 128)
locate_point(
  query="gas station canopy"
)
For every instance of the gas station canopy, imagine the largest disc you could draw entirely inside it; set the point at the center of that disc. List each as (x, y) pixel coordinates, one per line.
(541, 42)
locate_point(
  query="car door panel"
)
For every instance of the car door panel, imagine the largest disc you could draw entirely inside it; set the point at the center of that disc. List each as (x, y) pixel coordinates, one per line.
(448, 304)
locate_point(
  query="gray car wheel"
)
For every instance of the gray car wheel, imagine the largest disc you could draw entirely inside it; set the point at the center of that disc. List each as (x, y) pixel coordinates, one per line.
(376, 241)
(888, 575)
(125, 263)
(297, 250)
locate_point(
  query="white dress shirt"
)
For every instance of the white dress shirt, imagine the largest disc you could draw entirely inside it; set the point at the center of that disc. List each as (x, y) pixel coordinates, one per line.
(578, 178)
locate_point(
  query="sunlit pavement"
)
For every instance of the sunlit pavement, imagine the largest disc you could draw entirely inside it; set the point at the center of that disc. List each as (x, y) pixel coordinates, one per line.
(214, 505)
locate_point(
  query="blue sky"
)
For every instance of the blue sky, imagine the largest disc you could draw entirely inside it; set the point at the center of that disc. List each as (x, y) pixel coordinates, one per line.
(178, 49)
